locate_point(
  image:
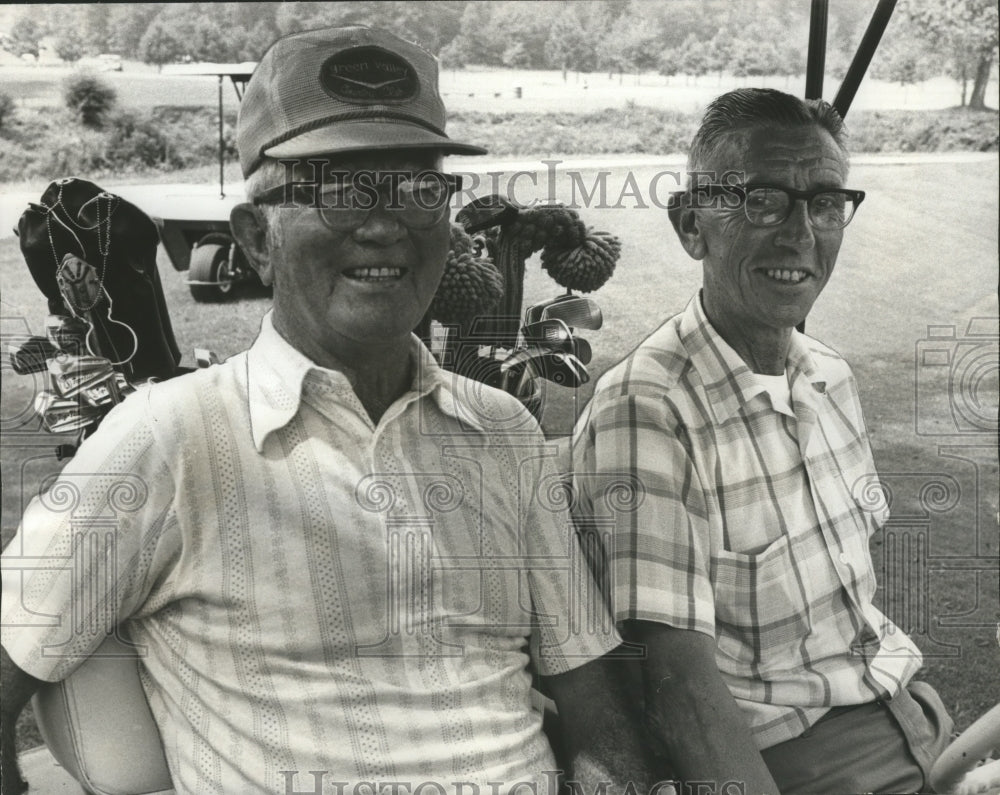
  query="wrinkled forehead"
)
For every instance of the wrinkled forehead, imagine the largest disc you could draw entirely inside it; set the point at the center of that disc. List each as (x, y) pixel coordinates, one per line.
(809, 149)
(785, 153)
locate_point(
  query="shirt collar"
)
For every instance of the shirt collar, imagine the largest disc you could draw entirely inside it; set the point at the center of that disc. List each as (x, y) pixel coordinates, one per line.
(728, 381)
(276, 374)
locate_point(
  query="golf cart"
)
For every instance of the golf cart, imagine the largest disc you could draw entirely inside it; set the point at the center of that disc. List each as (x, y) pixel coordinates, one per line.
(99, 715)
(193, 220)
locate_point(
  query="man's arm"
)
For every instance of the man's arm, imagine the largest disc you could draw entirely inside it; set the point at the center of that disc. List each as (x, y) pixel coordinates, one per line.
(16, 688)
(690, 712)
(600, 728)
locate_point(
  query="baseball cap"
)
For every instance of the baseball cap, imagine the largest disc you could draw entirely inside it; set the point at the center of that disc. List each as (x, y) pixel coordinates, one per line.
(342, 89)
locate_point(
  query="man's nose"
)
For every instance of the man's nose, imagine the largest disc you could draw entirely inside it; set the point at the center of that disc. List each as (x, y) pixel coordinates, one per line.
(797, 232)
(381, 226)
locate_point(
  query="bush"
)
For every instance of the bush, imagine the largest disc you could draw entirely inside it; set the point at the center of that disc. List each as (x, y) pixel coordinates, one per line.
(89, 98)
(951, 130)
(8, 107)
(193, 134)
(135, 143)
(17, 162)
(78, 152)
(47, 144)
(632, 128)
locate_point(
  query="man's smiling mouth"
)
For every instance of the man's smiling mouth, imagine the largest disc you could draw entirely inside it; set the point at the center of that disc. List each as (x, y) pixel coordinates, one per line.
(374, 274)
(787, 276)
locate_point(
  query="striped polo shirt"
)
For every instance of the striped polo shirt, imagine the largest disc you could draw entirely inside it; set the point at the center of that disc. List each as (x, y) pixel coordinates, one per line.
(318, 599)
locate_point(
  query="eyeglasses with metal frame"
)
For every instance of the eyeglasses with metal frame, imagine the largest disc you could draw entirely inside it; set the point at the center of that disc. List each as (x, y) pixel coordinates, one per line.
(764, 205)
(344, 201)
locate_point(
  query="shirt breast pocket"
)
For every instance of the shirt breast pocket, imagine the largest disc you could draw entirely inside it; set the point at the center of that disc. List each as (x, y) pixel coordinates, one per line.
(760, 606)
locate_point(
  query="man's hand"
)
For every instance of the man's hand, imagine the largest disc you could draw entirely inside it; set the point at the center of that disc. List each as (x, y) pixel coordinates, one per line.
(690, 712)
(17, 688)
(600, 727)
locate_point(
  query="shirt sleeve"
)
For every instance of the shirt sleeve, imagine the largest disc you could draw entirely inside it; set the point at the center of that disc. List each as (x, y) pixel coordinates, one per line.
(640, 504)
(86, 553)
(573, 625)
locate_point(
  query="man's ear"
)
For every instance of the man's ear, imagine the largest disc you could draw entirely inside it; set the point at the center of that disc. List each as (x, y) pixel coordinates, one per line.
(250, 230)
(687, 225)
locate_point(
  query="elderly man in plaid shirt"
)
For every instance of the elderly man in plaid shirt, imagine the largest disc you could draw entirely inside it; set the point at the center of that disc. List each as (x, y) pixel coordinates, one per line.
(744, 568)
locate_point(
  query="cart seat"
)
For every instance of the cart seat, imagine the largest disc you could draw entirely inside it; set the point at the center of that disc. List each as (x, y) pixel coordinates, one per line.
(99, 728)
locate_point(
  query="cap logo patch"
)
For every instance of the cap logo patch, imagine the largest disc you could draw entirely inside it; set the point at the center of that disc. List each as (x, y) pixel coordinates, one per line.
(368, 74)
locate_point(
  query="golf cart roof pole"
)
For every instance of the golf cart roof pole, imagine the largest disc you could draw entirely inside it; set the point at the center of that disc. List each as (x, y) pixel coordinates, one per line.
(816, 59)
(222, 156)
(816, 62)
(863, 57)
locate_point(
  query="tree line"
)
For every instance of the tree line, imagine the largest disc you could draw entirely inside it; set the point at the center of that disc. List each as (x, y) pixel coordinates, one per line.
(672, 37)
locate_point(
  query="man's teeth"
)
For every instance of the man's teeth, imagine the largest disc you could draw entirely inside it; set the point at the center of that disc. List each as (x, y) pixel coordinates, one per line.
(787, 276)
(374, 273)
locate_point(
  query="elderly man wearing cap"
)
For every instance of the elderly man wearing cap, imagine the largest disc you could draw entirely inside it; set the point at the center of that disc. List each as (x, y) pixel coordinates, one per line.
(339, 556)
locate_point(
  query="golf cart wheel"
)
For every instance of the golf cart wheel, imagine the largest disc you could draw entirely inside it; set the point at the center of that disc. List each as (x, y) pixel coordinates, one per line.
(210, 263)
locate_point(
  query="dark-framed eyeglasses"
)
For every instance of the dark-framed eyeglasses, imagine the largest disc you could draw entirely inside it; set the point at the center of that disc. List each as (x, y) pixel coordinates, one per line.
(764, 205)
(345, 200)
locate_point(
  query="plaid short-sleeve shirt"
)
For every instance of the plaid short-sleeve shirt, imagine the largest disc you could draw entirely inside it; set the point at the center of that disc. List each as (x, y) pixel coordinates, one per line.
(747, 522)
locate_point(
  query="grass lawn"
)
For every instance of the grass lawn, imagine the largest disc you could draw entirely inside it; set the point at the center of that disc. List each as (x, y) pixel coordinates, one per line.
(921, 254)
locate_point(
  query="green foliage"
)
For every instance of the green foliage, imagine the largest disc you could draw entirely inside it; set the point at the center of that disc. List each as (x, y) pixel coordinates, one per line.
(126, 24)
(453, 55)
(89, 98)
(94, 27)
(80, 152)
(292, 17)
(923, 131)
(721, 50)
(26, 33)
(965, 33)
(476, 38)
(136, 142)
(904, 60)
(670, 62)
(260, 37)
(748, 37)
(8, 109)
(696, 57)
(70, 46)
(160, 44)
(209, 42)
(516, 56)
(521, 31)
(171, 138)
(632, 42)
(568, 45)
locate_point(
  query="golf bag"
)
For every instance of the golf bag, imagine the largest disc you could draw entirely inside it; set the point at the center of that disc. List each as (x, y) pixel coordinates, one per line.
(93, 256)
